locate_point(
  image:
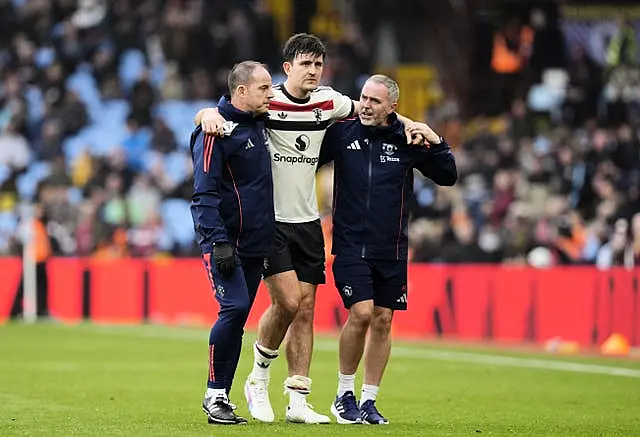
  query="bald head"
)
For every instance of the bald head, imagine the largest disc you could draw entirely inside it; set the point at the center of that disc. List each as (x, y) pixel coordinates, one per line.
(249, 84)
(242, 74)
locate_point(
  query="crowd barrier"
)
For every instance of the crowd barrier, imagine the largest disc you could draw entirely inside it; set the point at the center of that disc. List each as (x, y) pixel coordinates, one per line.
(473, 302)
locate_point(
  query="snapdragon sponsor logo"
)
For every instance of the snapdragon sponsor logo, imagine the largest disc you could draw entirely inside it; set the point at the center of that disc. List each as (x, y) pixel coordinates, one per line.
(295, 159)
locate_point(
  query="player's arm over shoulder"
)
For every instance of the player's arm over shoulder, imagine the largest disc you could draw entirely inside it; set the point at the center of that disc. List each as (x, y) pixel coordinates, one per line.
(343, 106)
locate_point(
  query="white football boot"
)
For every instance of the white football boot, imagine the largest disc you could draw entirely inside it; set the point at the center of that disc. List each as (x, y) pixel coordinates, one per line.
(256, 391)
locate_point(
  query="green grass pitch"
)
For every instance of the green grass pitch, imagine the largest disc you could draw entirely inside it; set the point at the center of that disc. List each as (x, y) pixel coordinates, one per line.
(90, 380)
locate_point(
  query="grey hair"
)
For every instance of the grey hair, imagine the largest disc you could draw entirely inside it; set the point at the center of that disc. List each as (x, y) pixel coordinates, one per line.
(390, 84)
(241, 74)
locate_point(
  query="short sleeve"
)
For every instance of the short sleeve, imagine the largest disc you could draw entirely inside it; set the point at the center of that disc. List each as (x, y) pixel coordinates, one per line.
(343, 106)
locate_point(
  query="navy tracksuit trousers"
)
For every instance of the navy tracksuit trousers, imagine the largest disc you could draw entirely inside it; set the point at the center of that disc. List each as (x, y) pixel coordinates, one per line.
(235, 295)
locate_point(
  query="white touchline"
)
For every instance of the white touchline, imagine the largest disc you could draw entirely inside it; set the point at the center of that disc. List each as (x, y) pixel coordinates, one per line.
(406, 352)
(500, 360)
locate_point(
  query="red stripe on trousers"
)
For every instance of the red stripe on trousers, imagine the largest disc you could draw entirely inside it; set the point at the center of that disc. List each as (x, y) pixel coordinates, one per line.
(208, 268)
(212, 375)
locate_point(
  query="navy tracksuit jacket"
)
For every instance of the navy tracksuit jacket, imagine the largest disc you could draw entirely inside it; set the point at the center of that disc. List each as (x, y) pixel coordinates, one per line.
(373, 183)
(233, 190)
(232, 202)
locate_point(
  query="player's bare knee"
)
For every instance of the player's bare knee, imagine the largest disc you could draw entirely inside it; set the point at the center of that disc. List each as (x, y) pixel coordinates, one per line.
(381, 321)
(287, 306)
(361, 315)
(286, 295)
(307, 306)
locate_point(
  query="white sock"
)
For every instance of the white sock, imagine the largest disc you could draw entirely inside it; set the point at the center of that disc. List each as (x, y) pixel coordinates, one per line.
(346, 383)
(216, 393)
(262, 358)
(297, 399)
(369, 392)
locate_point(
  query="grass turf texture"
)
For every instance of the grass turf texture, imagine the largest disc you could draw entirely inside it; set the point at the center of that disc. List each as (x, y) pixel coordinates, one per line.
(94, 381)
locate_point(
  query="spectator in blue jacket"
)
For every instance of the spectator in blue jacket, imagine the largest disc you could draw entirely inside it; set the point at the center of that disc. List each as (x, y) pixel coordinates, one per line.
(373, 182)
(233, 215)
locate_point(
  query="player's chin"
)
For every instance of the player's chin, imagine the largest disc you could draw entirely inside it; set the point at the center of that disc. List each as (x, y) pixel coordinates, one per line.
(310, 85)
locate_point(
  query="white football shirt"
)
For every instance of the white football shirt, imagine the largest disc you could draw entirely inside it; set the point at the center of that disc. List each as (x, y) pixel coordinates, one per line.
(296, 129)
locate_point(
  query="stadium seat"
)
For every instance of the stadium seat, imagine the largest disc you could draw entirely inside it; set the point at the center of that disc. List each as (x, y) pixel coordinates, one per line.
(197, 105)
(103, 140)
(132, 64)
(44, 57)
(73, 146)
(135, 146)
(74, 194)
(40, 169)
(27, 183)
(113, 113)
(175, 166)
(157, 75)
(176, 217)
(35, 103)
(84, 84)
(178, 115)
(8, 222)
(150, 159)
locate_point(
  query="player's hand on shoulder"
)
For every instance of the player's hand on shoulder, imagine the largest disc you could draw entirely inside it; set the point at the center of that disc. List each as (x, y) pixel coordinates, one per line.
(212, 122)
(415, 139)
(421, 133)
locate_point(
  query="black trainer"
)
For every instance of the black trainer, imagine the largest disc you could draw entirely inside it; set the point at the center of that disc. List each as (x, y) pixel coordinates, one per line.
(239, 419)
(219, 411)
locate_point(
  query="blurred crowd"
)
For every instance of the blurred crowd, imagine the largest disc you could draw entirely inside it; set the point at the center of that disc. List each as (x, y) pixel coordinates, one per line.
(96, 105)
(554, 177)
(547, 196)
(97, 100)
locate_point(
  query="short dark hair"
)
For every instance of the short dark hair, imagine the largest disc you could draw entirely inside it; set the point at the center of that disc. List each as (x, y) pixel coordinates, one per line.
(241, 74)
(303, 43)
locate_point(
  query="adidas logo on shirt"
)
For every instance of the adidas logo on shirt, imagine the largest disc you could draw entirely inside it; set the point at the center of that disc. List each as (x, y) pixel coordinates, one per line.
(354, 146)
(403, 298)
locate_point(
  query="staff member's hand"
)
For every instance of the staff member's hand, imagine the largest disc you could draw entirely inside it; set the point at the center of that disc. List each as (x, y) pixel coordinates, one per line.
(225, 259)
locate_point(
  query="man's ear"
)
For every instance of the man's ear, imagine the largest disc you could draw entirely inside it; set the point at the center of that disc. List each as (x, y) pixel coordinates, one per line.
(394, 108)
(241, 90)
(286, 67)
